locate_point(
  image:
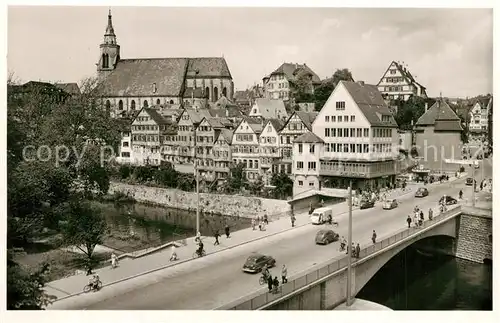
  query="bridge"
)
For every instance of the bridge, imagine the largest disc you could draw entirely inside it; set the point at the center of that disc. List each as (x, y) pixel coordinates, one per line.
(217, 281)
(324, 286)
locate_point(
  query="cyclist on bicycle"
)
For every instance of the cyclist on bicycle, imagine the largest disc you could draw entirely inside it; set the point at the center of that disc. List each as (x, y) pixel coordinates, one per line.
(265, 272)
(94, 281)
(343, 243)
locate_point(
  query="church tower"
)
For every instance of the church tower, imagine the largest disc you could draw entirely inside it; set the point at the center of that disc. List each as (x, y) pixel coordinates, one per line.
(109, 51)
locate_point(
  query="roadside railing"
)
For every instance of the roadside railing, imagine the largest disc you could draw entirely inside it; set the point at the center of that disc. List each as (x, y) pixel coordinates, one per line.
(321, 272)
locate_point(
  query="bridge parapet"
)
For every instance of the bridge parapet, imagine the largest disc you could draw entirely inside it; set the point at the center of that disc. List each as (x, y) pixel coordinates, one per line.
(308, 279)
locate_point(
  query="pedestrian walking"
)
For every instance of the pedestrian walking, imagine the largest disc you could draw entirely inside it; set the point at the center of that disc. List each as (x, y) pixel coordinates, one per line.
(173, 254)
(481, 186)
(374, 237)
(358, 250)
(265, 219)
(253, 224)
(422, 218)
(226, 229)
(284, 272)
(270, 283)
(430, 214)
(260, 225)
(216, 236)
(276, 284)
(293, 220)
(415, 220)
(353, 250)
(408, 220)
(114, 260)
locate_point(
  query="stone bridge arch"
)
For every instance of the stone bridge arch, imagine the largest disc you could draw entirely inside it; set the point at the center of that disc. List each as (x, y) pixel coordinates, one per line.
(365, 269)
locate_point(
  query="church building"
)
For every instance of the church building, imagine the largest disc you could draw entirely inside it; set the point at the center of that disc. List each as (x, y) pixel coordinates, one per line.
(134, 83)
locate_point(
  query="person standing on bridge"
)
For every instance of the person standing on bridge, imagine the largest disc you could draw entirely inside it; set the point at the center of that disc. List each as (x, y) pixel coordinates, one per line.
(358, 250)
(430, 214)
(415, 220)
(374, 237)
(266, 221)
(284, 272)
(408, 220)
(270, 283)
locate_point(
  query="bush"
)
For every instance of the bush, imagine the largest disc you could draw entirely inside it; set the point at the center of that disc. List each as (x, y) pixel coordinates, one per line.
(125, 171)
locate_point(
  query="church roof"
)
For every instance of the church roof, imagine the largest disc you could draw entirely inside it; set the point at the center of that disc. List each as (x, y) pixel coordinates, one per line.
(135, 77)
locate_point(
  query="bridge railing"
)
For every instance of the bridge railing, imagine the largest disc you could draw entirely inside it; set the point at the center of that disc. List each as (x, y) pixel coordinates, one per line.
(303, 279)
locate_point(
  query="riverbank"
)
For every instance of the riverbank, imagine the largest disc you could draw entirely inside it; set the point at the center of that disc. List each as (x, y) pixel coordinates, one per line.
(232, 205)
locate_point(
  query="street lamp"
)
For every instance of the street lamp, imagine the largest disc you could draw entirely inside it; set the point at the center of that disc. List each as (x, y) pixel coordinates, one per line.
(197, 183)
(349, 244)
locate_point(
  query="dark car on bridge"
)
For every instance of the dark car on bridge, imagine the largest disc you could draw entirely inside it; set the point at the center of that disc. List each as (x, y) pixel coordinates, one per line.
(256, 262)
(449, 200)
(469, 181)
(326, 237)
(366, 204)
(422, 192)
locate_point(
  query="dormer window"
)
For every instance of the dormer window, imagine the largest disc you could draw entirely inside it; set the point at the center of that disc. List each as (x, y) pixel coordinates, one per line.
(154, 87)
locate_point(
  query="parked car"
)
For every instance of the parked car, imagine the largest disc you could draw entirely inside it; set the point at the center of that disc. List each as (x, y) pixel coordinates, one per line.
(422, 192)
(390, 204)
(449, 200)
(256, 262)
(469, 181)
(366, 204)
(326, 237)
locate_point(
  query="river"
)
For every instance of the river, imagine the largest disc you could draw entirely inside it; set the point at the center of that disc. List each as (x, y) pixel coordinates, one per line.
(415, 281)
(137, 226)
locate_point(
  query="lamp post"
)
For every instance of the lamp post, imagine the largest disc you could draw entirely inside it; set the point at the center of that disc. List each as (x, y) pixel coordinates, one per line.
(473, 183)
(197, 183)
(349, 244)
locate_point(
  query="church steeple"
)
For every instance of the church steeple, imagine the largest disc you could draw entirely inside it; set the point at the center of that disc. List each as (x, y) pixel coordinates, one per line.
(109, 50)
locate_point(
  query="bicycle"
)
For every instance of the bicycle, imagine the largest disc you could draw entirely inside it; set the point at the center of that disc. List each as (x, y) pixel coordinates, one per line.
(90, 287)
(196, 254)
(262, 280)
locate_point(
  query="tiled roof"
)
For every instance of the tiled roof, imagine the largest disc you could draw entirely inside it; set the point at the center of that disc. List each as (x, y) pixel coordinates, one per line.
(208, 67)
(71, 88)
(196, 115)
(292, 70)
(370, 102)
(308, 137)
(135, 77)
(277, 124)
(227, 135)
(441, 116)
(153, 113)
(271, 109)
(255, 123)
(218, 123)
(307, 118)
(233, 112)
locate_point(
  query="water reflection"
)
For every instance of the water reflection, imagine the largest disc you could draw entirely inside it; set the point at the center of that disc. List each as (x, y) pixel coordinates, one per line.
(416, 281)
(137, 226)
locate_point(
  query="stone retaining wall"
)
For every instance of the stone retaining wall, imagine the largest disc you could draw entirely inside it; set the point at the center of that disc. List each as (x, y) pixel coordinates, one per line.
(474, 236)
(209, 203)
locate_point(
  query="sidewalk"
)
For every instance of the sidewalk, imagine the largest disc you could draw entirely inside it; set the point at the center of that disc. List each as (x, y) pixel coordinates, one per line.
(130, 268)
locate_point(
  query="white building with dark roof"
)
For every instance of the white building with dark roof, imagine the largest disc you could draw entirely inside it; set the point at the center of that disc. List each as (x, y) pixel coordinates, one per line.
(398, 83)
(131, 84)
(269, 109)
(358, 141)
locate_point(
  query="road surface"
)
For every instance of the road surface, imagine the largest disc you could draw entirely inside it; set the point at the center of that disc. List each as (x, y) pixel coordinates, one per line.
(217, 279)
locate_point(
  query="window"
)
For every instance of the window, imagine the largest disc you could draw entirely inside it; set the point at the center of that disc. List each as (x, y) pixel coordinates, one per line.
(393, 71)
(327, 132)
(352, 132)
(339, 132)
(300, 165)
(145, 104)
(334, 118)
(311, 148)
(301, 183)
(353, 118)
(125, 154)
(300, 148)
(346, 148)
(311, 183)
(171, 101)
(366, 148)
(352, 148)
(125, 144)
(334, 132)
(327, 118)
(288, 140)
(108, 105)
(158, 101)
(120, 105)
(359, 132)
(311, 165)
(216, 94)
(154, 87)
(366, 132)
(346, 132)
(346, 118)
(340, 105)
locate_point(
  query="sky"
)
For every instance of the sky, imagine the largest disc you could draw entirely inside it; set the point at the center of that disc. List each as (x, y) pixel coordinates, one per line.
(449, 51)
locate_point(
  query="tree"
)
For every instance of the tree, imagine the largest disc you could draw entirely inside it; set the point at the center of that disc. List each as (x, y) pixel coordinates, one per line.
(409, 111)
(303, 88)
(24, 289)
(323, 92)
(167, 175)
(85, 227)
(237, 178)
(283, 185)
(256, 186)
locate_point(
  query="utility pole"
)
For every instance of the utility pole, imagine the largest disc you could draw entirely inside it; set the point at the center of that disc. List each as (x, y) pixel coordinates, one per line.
(473, 183)
(349, 244)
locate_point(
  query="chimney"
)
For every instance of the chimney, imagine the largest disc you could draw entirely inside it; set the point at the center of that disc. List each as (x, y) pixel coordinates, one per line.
(426, 106)
(362, 83)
